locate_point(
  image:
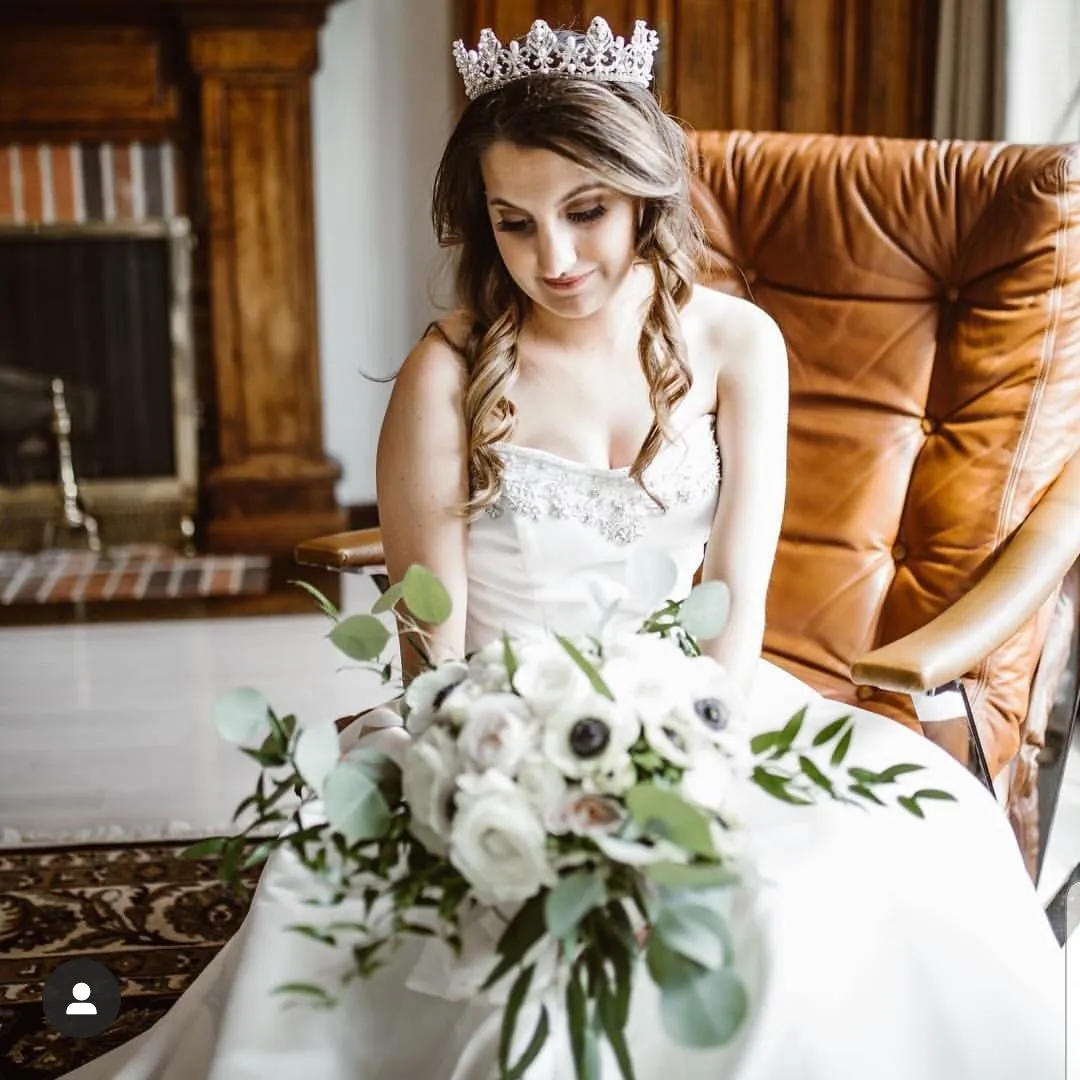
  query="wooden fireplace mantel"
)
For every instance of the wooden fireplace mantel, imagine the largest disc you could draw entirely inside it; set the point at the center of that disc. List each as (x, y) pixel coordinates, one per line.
(229, 84)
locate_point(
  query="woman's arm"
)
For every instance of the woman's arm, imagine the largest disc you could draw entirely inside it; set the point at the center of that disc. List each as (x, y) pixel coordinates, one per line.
(421, 478)
(751, 431)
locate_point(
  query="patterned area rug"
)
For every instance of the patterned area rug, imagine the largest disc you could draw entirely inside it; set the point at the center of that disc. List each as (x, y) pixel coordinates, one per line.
(135, 572)
(154, 919)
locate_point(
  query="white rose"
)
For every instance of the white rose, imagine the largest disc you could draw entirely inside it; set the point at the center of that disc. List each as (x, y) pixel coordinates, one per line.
(585, 813)
(498, 842)
(497, 732)
(590, 737)
(487, 668)
(547, 678)
(427, 693)
(428, 786)
(545, 787)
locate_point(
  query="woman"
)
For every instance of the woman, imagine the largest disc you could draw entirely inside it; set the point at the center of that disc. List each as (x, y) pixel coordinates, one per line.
(574, 411)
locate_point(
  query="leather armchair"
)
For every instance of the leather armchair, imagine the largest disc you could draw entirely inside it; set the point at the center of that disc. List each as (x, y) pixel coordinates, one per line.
(930, 297)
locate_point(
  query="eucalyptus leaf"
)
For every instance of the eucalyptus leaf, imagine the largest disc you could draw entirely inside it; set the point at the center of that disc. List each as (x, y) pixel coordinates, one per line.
(582, 662)
(841, 749)
(514, 1001)
(242, 716)
(830, 730)
(934, 793)
(704, 1011)
(696, 932)
(815, 774)
(327, 606)
(381, 768)
(704, 613)
(572, 899)
(388, 599)
(613, 1021)
(318, 750)
(532, 1051)
(893, 771)
(668, 967)
(662, 811)
(776, 786)
(204, 849)
(693, 876)
(354, 805)
(425, 595)
(789, 732)
(764, 741)
(360, 637)
(509, 659)
(524, 930)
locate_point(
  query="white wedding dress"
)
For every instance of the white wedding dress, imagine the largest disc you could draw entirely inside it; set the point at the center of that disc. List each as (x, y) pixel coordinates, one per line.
(875, 946)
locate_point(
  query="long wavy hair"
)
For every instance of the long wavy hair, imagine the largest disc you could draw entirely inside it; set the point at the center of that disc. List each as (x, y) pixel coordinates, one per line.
(620, 134)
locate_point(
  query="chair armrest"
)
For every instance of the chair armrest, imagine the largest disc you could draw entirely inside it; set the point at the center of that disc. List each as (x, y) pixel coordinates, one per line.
(342, 551)
(1027, 570)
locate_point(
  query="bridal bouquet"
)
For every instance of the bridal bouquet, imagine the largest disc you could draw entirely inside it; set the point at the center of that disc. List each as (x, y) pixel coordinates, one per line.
(580, 793)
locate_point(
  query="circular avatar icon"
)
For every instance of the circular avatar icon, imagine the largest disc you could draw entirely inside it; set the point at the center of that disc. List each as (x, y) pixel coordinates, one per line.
(82, 998)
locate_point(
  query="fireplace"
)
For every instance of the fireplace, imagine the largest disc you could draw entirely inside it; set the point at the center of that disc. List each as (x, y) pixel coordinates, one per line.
(106, 308)
(166, 144)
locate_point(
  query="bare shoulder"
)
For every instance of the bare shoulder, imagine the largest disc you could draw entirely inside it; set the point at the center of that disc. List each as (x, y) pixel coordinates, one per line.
(732, 325)
(453, 329)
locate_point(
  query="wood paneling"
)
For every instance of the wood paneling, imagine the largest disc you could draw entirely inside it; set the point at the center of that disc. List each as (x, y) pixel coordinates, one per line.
(845, 66)
(89, 75)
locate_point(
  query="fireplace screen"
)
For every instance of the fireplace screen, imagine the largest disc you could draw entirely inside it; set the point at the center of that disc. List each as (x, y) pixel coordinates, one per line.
(107, 310)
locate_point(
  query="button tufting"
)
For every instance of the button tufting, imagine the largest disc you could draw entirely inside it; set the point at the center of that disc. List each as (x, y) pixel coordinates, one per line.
(952, 293)
(929, 425)
(899, 552)
(864, 693)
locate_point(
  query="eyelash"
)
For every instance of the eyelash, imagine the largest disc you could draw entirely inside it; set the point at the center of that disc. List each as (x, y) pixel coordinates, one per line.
(579, 217)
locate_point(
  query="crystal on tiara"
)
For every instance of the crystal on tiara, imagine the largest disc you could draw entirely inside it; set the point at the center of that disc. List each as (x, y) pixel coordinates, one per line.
(597, 55)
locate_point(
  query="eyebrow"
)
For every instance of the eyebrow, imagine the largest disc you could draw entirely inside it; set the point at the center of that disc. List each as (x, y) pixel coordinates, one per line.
(580, 190)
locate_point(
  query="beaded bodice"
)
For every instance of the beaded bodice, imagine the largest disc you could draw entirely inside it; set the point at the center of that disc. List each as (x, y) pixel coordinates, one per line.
(554, 548)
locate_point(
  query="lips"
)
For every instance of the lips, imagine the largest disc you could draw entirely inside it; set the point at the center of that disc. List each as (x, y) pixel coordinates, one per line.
(567, 284)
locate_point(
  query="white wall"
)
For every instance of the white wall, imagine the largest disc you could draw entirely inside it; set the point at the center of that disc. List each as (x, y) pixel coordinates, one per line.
(384, 103)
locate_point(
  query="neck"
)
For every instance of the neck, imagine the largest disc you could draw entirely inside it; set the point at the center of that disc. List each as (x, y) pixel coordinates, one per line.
(607, 331)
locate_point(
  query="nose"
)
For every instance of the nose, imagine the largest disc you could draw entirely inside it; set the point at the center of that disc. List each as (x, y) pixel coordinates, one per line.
(556, 253)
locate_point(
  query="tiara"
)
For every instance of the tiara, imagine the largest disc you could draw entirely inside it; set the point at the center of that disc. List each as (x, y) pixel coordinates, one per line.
(597, 55)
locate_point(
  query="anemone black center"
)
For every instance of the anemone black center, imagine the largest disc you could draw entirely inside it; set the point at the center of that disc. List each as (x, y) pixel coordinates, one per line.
(589, 737)
(712, 712)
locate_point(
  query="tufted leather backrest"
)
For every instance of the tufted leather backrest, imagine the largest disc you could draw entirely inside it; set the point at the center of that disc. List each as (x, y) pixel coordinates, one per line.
(930, 298)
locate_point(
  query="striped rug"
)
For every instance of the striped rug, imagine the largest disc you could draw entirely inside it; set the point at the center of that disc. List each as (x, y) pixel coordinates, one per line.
(127, 573)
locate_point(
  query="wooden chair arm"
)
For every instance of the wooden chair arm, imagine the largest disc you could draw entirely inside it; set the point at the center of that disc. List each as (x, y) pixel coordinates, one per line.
(342, 551)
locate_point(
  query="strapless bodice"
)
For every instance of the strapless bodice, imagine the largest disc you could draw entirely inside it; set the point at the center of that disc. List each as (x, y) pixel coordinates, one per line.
(555, 546)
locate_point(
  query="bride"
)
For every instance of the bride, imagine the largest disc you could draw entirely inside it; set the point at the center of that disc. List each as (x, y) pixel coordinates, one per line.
(580, 405)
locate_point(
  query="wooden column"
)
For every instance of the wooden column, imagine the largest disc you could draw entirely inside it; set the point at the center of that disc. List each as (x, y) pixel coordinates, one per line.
(272, 485)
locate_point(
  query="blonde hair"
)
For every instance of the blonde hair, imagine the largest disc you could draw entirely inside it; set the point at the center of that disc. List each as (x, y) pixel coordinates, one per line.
(621, 135)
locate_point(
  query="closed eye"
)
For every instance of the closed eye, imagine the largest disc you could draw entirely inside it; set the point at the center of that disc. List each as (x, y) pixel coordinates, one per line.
(583, 217)
(576, 217)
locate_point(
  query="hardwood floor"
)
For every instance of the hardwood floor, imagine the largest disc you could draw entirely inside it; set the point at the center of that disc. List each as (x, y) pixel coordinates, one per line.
(106, 731)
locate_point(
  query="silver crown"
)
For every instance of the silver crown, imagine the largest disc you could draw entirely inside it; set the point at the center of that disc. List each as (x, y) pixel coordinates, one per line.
(597, 55)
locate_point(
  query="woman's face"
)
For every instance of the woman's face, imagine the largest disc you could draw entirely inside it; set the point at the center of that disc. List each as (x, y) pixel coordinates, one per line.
(565, 238)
